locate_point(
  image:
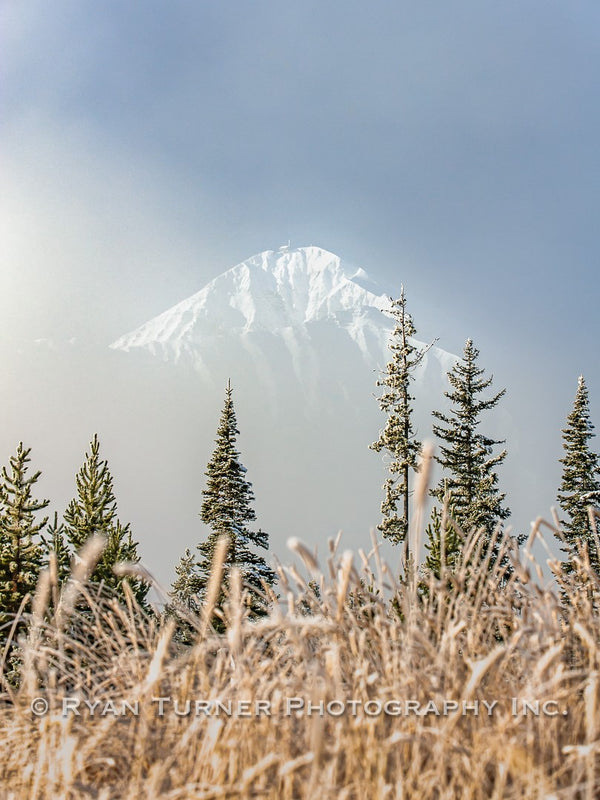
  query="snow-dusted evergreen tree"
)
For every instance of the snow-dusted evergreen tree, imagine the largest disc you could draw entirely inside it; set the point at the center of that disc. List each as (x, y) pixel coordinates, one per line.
(398, 438)
(443, 543)
(227, 510)
(187, 584)
(466, 455)
(580, 487)
(21, 554)
(94, 511)
(185, 596)
(55, 541)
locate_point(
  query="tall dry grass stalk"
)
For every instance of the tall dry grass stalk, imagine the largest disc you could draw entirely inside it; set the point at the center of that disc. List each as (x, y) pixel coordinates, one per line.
(341, 636)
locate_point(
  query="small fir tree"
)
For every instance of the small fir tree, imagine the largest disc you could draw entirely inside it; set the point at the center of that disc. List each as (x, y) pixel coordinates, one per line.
(442, 559)
(465, 454)
(21, 554)
(55, 542)
(184, 594)
(580, 487)
(398, 437)
(187, 584)
(121, 548)
(94, 511)
(227, 510)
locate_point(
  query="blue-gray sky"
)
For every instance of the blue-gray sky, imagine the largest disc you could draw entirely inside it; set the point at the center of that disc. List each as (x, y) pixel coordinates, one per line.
(453, 147)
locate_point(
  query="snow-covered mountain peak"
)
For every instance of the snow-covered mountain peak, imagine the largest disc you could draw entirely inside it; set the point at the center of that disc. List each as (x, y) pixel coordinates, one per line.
(287, 288)
(273, 291)
(303, 302)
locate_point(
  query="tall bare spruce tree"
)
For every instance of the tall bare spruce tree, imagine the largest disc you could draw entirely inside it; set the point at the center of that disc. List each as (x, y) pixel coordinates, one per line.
(398, 438)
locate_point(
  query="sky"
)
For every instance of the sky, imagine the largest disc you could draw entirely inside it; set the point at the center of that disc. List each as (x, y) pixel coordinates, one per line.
(452, 148)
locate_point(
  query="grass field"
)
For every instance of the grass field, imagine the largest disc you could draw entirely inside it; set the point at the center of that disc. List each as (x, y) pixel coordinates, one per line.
(467, 688)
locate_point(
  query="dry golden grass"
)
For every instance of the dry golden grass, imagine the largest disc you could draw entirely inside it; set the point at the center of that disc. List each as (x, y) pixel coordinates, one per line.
(466, 639)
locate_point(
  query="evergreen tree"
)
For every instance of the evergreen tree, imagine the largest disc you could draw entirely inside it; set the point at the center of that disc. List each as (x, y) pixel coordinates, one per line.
(185, 596)
(580, 487)
(55, 542)
(187, 584)
(121, 548)
(21, 554)
(465, 454)
(94, 511)
(398, 436)
(441, 559)
(227, 510)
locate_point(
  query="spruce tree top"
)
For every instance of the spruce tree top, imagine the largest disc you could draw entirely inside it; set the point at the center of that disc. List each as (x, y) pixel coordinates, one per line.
(398, 436)
(466, 381)
(19, 506)
(580, 487)
(464, 453)
(228, 496)
(94, 509)
(396, 378)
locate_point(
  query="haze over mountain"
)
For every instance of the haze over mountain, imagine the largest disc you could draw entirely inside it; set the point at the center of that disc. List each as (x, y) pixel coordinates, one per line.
(302, 336)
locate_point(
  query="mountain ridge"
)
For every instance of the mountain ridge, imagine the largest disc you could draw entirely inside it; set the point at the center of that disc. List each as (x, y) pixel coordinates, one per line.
(298, 296)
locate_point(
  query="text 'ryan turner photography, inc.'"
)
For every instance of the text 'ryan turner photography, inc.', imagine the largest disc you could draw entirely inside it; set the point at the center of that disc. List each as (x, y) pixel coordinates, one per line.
(165, 706)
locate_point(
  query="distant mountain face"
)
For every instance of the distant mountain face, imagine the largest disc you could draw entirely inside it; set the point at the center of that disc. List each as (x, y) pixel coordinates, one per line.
(291, 313)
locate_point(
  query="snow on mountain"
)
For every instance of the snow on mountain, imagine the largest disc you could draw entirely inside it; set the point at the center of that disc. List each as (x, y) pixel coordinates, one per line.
(304, 300)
